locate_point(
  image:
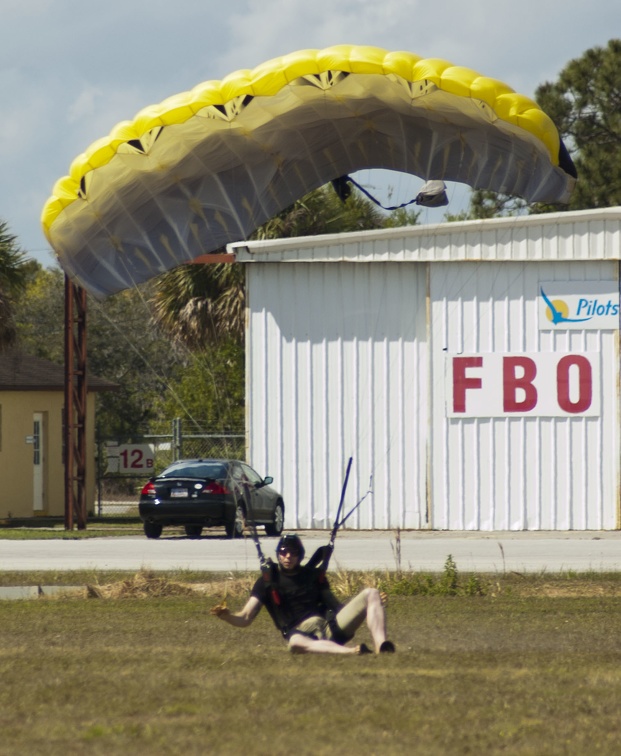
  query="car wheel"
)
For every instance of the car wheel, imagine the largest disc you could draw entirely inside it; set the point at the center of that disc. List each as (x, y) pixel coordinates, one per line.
(235, 528)
(193, 531)
(152, 530)
(275, 528)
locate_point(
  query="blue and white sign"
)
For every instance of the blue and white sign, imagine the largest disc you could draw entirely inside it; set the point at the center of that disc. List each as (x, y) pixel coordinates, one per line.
(578, 305)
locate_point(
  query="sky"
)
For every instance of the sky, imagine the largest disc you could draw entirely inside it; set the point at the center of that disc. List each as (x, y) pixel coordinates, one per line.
(70, 70)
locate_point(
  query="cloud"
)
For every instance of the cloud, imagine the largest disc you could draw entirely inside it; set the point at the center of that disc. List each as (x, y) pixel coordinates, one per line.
(84, 104)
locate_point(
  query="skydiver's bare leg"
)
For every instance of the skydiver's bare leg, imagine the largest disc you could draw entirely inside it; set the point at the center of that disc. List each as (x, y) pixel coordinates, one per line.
(369, 605)
(301, 644)
(376, 617)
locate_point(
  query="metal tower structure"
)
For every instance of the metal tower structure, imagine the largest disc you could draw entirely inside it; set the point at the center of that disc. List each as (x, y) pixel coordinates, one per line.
(74, 446)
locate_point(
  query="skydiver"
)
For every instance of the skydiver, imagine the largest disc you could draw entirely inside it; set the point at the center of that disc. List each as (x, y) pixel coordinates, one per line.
(302, 606)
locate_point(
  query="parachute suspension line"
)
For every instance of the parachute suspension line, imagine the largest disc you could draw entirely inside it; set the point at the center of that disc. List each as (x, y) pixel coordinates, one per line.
(358, 503)
(181, 345)
(340, 521)
(367, 388)
(137, 288)
(432, 194)
(266, 565)
(269, 570)
(169, 388)
(143, 356)
(263, 561)
(322, 556)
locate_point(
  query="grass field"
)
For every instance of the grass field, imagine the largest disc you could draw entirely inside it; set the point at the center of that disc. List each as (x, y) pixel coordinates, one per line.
(509, 664)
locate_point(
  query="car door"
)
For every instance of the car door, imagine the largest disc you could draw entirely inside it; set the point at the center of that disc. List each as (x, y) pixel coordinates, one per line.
(263, 506)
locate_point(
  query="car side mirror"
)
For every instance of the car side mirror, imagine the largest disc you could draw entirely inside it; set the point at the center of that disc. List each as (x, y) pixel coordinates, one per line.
(265, 482)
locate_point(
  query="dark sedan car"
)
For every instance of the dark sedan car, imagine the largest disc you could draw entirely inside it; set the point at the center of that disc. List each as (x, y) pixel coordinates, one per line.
(198, 493)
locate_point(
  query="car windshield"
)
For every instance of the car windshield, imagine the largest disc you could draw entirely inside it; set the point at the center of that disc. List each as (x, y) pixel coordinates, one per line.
(195, 470)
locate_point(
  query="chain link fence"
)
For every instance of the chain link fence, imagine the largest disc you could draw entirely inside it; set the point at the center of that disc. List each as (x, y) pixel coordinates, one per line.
(125, 465)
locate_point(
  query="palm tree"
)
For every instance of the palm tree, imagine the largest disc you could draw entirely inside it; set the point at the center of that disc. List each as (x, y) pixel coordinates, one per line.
(13, 274)
(199, 304)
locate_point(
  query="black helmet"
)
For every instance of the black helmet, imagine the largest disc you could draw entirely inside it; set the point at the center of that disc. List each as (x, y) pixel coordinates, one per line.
(293, 542)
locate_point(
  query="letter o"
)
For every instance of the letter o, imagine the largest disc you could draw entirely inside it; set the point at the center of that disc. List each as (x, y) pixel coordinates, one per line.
(585, 383)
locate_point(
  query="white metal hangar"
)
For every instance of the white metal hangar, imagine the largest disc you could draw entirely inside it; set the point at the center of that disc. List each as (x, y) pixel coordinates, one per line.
(470, 369)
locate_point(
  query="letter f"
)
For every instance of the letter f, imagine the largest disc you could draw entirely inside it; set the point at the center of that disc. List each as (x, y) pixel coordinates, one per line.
(461, 382)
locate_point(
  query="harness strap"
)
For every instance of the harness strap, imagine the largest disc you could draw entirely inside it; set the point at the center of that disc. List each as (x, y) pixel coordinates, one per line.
(338, 636)
(269, 573)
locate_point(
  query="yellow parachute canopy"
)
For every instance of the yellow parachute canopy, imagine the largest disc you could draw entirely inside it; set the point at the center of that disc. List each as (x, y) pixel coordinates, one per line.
(208, 166)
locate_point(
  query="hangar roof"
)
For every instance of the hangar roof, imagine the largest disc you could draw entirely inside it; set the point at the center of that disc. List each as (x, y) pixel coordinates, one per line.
(581, 235)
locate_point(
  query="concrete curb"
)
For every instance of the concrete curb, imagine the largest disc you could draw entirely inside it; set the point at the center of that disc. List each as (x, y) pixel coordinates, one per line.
(14, 592)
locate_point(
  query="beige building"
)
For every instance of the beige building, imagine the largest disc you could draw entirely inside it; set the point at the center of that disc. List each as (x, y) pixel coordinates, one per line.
(31, 437)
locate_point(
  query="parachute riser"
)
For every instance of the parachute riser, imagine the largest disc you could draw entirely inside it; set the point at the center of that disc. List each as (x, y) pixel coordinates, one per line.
(323, 554)
(267, 566)
(263, 561)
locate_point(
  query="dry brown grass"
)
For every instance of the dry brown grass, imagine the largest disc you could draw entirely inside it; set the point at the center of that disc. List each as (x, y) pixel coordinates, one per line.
(555, 588)
(147, 584)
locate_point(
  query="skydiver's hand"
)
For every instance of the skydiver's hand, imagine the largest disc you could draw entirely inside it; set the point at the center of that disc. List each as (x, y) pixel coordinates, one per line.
(220, 610)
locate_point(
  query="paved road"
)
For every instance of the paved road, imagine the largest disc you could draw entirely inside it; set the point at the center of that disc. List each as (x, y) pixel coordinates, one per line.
(424, 551)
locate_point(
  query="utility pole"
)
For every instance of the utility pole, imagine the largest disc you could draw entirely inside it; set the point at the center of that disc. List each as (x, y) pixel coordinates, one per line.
(74, 445)
(177, 438)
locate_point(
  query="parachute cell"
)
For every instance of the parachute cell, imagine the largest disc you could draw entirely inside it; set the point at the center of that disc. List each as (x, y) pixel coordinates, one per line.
(208, 166)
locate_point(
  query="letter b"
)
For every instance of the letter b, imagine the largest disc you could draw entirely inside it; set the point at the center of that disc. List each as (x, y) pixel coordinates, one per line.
(511, 383)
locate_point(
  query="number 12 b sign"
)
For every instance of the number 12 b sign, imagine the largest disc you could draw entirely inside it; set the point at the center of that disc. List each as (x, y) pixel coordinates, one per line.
(543, 384)
(131, 458)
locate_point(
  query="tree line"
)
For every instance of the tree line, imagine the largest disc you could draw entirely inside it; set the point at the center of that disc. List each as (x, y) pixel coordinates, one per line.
(175, 345)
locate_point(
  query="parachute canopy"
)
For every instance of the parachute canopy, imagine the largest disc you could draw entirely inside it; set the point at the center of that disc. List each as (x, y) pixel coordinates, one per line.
(208, 166)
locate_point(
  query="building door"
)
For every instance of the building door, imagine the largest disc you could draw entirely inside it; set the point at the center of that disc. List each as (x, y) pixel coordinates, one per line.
(38, 460)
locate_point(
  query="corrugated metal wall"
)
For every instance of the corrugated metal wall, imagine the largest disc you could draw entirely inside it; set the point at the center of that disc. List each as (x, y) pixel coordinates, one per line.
(349, 341)
(337, 367)
(519, 473)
